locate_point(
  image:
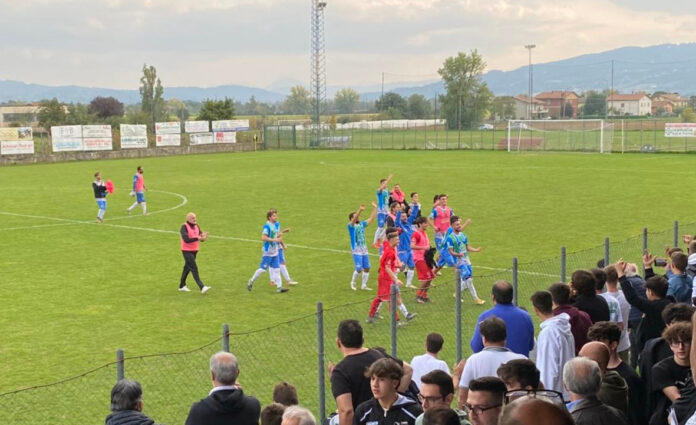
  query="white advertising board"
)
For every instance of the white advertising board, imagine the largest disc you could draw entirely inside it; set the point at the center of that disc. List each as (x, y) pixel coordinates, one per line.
(97, 143)
(133, 136)
(197, 126)
(18, 147)
(680, 129)
(225, 137)
(231, 125)
(12, 134)
(96, 131)
(67, 144)
(66, 132)
(172, 127)
(201, 139)
(168, 140)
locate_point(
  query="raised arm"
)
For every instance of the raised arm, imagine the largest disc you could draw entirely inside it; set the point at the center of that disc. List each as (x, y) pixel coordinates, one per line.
(414, 213)
(630, 294)
(373, 214)
(384, 184)
(356, 214)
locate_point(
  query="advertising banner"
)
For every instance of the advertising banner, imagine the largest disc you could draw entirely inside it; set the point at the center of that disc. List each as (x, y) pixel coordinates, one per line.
(201, 139)
(168, 140)
(19, 147)
(196, 126)
(680, 129)
(225, 137)
(97, 144)
(12, 134)
(96, 131)
(66, 132)
(66, 144)
(133, 136)
(172, 127)
(231, 125)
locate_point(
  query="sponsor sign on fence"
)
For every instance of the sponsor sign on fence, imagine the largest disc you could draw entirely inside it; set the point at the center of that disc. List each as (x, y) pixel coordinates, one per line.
(231, 125)
(168, 140)
(225, 137)
(133, 136)
(96, 131)
(196, 126)
(12, 134)
(66, 138)
(201, 139)
(97, 144)
(19, 147)
(172, 127)
(680, 129)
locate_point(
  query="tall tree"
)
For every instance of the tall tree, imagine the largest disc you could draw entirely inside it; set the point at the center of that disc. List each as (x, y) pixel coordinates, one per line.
(176, 109)
(51, 112)
(104, 107)
(418, 106)
(346, 101)
(299, 101)
(393, 105)
(151, 92)
(595, 104)
(503, 107)
(468, 98)
(213, 110)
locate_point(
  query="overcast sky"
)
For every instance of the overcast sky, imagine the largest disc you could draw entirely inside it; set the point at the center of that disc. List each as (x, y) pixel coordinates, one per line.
(264, 43)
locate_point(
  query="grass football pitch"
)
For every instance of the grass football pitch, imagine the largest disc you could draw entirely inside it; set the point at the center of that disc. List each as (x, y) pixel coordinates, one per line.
(74, 291)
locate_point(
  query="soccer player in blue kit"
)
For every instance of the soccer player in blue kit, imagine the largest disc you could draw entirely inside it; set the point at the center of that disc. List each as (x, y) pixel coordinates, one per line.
(382, 211)
(270, 260)
(406, 228)
(457, 245)
(358, 246)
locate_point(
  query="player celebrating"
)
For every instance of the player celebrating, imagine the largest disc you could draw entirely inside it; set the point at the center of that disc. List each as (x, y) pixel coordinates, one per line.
(139, 189)
(457, 244)
(382, 210)
(358, 245)
(405, 253)
(439, 218)
(99, 188)
(420, 244)
(271, 241)
(281, 253)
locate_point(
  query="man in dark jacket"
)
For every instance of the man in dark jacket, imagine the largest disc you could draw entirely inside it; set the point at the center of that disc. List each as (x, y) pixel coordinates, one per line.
(127, 405)
(583, 379)
(580, 321)
(387, 406)
(584, 285)
(651, 325)
(226, 402)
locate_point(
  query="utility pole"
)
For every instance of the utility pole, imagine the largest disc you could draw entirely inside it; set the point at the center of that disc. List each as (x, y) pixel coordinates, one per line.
(531, 81)
(381, 99)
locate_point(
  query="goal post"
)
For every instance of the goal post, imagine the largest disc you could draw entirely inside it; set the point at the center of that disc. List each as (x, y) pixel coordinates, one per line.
(592, 135)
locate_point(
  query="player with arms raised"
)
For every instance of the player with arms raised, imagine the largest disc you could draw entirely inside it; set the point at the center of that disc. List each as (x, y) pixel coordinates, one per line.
(358, 245)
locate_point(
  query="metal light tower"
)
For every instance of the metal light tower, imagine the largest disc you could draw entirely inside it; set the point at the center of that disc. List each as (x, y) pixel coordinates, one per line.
(531, 81)
(318, 74)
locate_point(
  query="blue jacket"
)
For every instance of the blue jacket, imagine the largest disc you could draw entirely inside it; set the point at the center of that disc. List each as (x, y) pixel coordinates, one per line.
(519, 325)
(680, 288)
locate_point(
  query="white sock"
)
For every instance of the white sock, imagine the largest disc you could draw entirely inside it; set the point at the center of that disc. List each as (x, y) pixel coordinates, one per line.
(355, 277)
(144, 205)
(284, 272)
(379, 306)
(403, 309)
(135, 204)
(379, 234)
(366, 275)
(257, 273)
(275, 277)
(469, 282)
(409, 277)
(100, 214)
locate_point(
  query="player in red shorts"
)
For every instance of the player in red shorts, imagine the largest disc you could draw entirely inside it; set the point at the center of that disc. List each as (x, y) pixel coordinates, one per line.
(420, 244)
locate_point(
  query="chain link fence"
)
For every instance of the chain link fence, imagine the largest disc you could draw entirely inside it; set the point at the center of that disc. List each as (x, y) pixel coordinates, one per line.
(299, 351)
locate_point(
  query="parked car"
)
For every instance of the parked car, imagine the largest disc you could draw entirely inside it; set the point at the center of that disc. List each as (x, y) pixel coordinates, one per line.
(519, 126)
(485, 127)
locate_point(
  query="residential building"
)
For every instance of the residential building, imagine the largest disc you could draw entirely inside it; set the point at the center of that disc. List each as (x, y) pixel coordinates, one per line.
(629, 104)
(555, 102)
(538, 111)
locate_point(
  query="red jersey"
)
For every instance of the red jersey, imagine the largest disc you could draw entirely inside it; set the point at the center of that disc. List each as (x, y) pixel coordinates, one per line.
(388, 261)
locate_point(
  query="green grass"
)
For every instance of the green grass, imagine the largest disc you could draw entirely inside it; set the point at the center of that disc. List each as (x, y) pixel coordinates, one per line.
(75, 291)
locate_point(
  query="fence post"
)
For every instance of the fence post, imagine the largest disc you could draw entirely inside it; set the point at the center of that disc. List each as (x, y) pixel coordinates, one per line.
(320, 360)
(676, 234)
(563, 264)
(606, 252)
(514, 280)
(392, 311)
(120, 365)
(458, 313)
(226, 337)
(645, 247)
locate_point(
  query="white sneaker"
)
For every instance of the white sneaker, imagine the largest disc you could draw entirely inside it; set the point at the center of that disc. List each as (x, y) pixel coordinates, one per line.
(292, 282)
(205, 289)
(352, 286)
(365, 288)
(409, 285)
(184, 289)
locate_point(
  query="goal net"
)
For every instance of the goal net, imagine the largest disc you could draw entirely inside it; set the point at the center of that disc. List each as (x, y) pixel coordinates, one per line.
(560, 135)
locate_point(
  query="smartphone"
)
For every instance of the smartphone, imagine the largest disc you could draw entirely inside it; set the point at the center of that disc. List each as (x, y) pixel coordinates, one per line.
(660, 262)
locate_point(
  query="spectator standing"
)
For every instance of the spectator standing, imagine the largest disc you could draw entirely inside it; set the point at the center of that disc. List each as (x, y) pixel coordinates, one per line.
(615, 314)
(428, 362)
(127, 405)
(583, 379)
(519, 374)
(485, 400)
(613, 290)
(534, 411)
(680, 285)
(272, 414)
(437, 391)
(580, 321)
(584, 285)
(285, 394)
(614, 390)
(672, 375)
(296, 415)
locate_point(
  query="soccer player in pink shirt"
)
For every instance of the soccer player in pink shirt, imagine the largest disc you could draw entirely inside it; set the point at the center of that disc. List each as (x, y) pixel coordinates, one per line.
(139, 189)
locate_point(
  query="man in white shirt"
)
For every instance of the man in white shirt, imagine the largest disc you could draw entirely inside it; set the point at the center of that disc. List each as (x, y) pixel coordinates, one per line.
(428, 362)
(614, 291)
(486, 362)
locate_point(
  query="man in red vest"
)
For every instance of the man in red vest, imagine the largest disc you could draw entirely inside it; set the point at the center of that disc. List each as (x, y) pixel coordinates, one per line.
(191, 236)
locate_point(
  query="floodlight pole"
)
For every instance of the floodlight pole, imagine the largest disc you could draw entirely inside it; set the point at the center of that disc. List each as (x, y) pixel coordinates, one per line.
(531, 81)
(318, 65)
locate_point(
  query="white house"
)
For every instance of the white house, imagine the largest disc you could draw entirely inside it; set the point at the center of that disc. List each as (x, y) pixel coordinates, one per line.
(629, 104)
(539, 109)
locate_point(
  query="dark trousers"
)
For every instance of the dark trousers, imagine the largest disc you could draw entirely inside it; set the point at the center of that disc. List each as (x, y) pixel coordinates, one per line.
(190, 267)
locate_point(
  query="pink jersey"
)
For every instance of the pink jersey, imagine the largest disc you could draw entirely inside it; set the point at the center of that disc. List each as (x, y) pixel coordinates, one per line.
(139, 183)
(441, 218)
(419, 238)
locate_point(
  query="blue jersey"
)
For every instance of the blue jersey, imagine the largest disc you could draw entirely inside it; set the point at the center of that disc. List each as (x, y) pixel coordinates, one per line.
(406, 229)
(383, 200)
(358, 244)
(270, 249)
(458, 242)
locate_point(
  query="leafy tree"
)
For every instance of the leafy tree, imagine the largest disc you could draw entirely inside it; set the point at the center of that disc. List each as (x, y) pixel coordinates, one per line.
(177, 109)
(299, 101)
(692, 101)
(419, 106)
(104, 107)
(213, 110)
(503, 107)
(567, 110)
(79, 114)
(151, 92)
(393, 104)
(688, 115)
(468, 97)
(346, 101)
(51, 112)
(595, 104)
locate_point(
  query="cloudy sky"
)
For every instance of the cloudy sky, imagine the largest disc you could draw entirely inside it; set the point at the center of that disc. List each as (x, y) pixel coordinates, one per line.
(266, 43)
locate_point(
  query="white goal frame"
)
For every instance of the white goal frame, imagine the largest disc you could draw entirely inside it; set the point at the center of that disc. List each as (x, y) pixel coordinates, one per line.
(525, 127)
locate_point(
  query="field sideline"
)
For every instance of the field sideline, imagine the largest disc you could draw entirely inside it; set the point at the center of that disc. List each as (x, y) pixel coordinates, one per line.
(75, 291)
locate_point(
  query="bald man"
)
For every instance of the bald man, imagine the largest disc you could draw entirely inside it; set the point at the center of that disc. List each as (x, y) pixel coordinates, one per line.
(614, 390)
(191, 237)
(534, 411)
